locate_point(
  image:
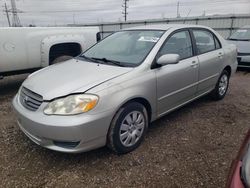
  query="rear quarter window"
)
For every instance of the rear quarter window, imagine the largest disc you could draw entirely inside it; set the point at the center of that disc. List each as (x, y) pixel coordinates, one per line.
(217, 43)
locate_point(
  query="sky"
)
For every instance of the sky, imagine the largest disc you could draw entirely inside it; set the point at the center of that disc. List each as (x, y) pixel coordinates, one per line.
(61, 12)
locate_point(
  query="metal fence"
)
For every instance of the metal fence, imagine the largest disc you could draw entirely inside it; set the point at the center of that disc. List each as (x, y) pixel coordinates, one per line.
(225, 25)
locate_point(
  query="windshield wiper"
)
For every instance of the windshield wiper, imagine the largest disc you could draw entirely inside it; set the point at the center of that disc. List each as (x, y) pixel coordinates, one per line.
(117, 63)
(89, 58)
(239, 39)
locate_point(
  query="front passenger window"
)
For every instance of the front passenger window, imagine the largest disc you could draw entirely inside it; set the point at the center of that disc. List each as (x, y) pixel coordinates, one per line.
(179, 43)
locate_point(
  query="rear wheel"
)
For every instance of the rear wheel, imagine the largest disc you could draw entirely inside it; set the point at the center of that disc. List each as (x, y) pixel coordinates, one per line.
(221, 87)
(128, 128)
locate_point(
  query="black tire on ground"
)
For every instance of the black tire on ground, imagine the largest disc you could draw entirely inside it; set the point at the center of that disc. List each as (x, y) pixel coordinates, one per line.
(114, 139)
(219, 92)
(61, 59)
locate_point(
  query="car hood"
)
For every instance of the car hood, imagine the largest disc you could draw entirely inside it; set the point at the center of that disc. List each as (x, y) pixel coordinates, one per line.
(242, 46)
(64, 78)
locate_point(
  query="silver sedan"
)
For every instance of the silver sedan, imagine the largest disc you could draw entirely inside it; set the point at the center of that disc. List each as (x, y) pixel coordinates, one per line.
(110, 93)
(241, 38)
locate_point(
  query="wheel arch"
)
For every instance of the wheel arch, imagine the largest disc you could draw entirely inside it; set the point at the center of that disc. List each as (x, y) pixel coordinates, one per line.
(142, 101)
(50, 42)
(66, 48)
(228, 69)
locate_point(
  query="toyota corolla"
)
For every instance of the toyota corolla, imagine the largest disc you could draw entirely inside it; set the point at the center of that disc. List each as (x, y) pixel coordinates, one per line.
(114, 90)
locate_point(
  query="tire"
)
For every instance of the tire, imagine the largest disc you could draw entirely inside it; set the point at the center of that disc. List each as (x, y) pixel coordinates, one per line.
(221, 87)
(128, 128)
(61, 59)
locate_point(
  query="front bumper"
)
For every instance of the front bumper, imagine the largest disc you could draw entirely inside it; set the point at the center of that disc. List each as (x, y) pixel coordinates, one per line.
(243, 60)
(71, 134)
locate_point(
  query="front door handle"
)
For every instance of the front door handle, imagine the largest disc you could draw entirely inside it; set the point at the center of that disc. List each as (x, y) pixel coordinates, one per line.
(194, 64)
(220, 55)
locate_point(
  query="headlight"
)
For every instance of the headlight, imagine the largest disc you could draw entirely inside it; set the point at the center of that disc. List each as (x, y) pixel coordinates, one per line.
(245, 170)
(72, 105)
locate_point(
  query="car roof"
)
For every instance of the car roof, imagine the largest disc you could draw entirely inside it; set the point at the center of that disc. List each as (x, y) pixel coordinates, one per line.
(165, 27)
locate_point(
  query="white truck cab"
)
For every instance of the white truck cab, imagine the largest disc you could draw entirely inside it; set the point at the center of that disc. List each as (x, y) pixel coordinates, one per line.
(26, 49)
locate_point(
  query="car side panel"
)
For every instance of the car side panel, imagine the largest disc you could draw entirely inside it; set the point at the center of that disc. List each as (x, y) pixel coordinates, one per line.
(176, 84)
(230, 58)
(115, 93)
(210, 68)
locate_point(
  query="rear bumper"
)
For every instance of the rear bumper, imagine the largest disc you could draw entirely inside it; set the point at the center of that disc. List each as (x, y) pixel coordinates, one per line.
(70, 134)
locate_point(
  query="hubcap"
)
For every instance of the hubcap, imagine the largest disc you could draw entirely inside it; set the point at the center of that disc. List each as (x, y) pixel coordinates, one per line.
(223, 84)
(132, 128)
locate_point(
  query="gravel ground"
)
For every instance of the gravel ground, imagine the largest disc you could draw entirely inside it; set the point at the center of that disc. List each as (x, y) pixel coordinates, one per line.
(192, 147)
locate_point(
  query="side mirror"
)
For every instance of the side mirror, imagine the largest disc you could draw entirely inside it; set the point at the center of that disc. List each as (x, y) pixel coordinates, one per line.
(168, 59)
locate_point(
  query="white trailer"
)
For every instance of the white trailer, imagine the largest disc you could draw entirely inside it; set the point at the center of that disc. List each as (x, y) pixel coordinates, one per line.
(27, 49)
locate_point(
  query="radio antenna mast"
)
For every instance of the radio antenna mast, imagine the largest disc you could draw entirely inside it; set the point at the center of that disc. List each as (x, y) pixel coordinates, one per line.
(125, 7)
(15, 19)
(7, 14)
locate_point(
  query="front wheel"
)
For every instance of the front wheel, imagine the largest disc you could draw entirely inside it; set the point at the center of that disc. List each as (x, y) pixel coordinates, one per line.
(128, 128)
(222, 86)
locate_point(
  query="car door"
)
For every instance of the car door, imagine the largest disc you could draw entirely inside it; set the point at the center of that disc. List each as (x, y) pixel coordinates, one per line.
(177, 83)
(210, 56)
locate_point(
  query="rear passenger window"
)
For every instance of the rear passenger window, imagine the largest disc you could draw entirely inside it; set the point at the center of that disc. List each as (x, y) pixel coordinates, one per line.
(179, 43)
(204, 41)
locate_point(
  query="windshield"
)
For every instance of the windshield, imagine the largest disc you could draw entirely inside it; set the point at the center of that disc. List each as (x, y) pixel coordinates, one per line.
(241, 34)
(128, 48)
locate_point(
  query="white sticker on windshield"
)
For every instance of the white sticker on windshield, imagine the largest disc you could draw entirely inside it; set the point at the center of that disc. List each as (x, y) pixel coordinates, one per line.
(148, 39)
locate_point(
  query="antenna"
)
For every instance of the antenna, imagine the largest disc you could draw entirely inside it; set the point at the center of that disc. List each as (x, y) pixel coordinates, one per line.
(74, 20)
(15, 19)
(178, 9)
(187, 16)
(204, 13)
(125, 12)
(7, 14)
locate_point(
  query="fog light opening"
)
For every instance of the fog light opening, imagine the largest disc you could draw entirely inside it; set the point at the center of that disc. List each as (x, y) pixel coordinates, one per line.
(67, 145)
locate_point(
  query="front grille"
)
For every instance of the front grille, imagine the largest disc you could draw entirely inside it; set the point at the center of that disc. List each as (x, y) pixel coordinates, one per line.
(29, 99)
(243, 54)
(245, 64)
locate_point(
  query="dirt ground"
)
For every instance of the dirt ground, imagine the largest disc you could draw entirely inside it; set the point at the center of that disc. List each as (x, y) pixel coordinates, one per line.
(192, 147)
